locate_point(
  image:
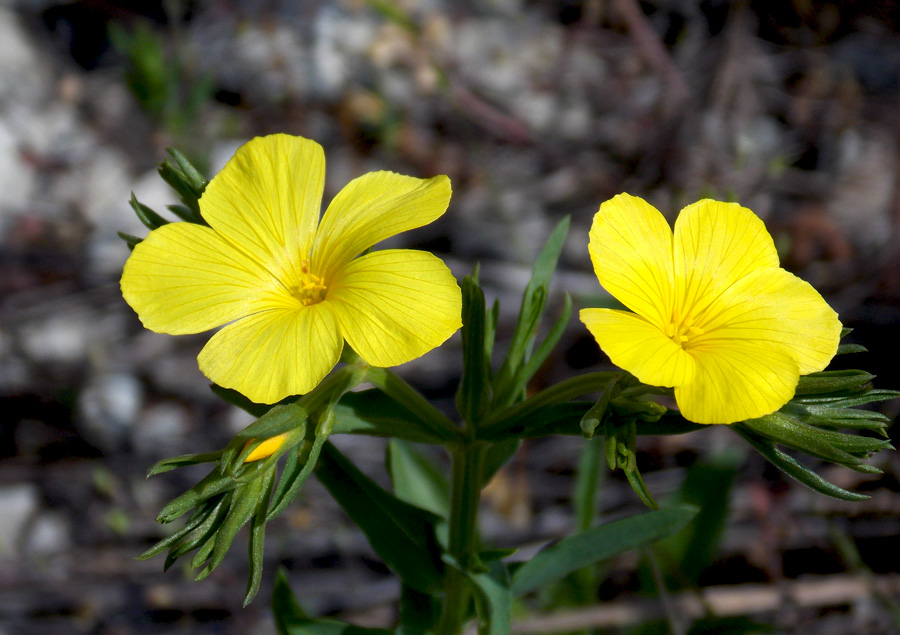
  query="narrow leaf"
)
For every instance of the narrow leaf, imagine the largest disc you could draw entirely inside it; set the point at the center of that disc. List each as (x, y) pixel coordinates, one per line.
(598, 543)
(401, 534)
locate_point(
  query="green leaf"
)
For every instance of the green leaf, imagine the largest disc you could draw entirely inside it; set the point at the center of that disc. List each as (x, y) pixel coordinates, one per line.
(474, 393)
(493, 599)
(403, 535)
(497, 455)
(290, 618)
(506, 387)
(536, 360)
(416, 479)
(598, 543)
(793, 468)
(419, 612)
(708, 487)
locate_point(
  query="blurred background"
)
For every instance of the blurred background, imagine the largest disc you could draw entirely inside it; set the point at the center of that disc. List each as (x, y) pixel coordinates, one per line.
(536, 110)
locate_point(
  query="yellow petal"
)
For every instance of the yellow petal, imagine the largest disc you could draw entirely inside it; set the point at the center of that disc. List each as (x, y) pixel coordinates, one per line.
(716, 244)
(631, 248)
(737, 380)
(371, 208)
(275, 353)
(395, 305)
(773, 307)
(636, 345)
(267, 198)
(266, 449)
(185, 278)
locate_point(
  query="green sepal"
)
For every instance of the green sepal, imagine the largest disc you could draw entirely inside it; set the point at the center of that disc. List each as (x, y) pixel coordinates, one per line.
(597, 412)
(598, 543)
(191, 175)
(184, 460)
(292, 481)
(852, 400)
(846, 349)
(182, 177)
(401, 534)
(508, 384)
(835, 447)
(147, 216)
(244, 504)
(637, 484)
(201, 534)
(131, 241)
(200, 515)
(833, 381)
(795, 469)
(474, 393)
(184, 213)
(211, 485)
(256, 543)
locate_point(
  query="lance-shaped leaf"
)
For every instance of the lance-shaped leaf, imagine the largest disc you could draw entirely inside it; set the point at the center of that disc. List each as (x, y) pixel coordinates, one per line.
(373, 413)
(493, 599)
(509, 384)
(598, 543)
(403, 535)
(416, 479)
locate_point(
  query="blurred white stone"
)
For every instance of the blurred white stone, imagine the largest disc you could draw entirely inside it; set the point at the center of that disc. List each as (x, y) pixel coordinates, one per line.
(16, 176)
(49, 534)
(18, 503)
(108, 407)
(60, 340)
(161, 430)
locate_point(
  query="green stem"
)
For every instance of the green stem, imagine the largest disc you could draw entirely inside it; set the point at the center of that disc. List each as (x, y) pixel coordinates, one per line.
(401, 392)
(560, 393)
(465, 492)
(586, 484)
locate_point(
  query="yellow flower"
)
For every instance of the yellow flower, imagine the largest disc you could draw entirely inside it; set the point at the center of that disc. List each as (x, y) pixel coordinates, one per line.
(290, 289)
(715, 316)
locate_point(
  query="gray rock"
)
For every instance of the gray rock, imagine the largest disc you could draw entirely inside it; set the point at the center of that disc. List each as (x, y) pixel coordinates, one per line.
(108, 408)
(19, 504)
(161, 430)
(50, 534)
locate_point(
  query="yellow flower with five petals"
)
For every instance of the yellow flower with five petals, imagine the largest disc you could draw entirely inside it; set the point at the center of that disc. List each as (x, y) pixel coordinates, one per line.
(714, 315)
(289, 288)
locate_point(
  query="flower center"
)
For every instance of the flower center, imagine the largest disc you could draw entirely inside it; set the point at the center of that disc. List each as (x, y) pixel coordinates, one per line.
(682, 330)
(308, 288)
